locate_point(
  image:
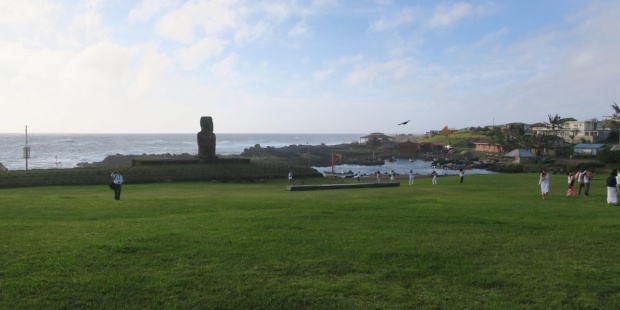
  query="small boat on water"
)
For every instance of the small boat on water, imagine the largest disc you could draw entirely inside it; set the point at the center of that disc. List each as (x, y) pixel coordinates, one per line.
(337, 174)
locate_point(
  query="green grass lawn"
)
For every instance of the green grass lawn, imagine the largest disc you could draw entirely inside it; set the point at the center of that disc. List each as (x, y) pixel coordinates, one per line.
(491, 242)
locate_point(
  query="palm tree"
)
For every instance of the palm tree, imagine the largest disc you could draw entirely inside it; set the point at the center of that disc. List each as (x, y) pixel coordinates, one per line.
(556, 123)
(615, 119)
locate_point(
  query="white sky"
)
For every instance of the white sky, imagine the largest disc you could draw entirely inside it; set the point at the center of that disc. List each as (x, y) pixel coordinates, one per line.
(303, 66)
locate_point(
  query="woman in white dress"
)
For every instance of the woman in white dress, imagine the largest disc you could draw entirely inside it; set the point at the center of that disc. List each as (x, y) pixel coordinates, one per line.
(612, 188)
(544, 184)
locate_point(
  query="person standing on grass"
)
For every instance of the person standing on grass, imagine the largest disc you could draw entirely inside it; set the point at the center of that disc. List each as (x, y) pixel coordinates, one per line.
(118, 181)
(434, 174)
(543, 181)
(462, 174)
(290, 177)
(579, 177)
(612, 188)
(411, 177)
(378, 176)
(617, 182)
(571, 185)
(587, 176)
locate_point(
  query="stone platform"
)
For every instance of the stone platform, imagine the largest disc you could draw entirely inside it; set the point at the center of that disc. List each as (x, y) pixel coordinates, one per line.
(209, 161)
(294, 188)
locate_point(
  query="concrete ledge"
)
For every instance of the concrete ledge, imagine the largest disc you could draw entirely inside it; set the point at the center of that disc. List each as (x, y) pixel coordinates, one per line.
(293, 188)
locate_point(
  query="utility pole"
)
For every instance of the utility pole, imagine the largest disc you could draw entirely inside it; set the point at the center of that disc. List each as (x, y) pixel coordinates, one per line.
(26, 149)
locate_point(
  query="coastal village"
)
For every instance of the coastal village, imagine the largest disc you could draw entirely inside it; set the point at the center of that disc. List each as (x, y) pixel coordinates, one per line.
(511, 147)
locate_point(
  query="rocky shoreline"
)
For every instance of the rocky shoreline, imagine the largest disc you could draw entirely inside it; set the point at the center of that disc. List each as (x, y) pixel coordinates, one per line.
(349, 153)
(119, 160)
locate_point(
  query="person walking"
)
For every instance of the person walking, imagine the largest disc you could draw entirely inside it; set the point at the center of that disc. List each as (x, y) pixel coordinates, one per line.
(411, 177)
(587, 176)
(543, 181)
(612, 188)
(117, 179)
(462, 174)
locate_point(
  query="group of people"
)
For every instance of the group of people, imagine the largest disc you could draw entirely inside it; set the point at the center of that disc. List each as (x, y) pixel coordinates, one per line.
(582, 177)
(433, 174)
(392, 175)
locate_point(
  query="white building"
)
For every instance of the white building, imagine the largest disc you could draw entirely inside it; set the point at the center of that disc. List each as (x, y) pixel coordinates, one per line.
(577, 131)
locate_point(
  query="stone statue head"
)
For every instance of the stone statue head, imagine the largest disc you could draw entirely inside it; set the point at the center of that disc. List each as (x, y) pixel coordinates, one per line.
(206, 123)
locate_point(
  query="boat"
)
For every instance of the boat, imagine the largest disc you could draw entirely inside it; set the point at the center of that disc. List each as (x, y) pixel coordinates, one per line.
(337, 174)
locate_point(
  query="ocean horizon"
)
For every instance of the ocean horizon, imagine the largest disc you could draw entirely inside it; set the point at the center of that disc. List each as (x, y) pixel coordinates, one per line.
(64, 151)
(61, 150)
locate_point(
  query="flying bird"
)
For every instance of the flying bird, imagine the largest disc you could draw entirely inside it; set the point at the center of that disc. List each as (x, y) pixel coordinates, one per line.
(404, 123)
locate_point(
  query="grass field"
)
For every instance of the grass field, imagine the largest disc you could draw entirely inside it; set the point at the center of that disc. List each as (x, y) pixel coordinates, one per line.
(489, 243)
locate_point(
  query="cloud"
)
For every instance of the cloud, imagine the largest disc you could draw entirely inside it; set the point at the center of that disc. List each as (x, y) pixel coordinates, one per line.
(321, 75)
(20, 13)
(349, 59)
(226, 67)
(247, 32)
(147, 9)
(299, 30)
(191, 57)
(324, 3)
(401, 18)
(446, 16)
(209, 17)
(333, 66)
(371, 72)
(151, 71)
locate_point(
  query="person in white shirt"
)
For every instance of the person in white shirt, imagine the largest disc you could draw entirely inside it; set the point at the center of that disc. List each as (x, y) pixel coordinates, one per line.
(544, 184)
(118, 181)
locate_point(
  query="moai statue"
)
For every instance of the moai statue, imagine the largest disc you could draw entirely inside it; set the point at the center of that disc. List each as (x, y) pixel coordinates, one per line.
(206, 138)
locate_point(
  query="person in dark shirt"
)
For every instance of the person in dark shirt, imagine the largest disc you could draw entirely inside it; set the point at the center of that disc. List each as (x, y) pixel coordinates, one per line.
(612, 189)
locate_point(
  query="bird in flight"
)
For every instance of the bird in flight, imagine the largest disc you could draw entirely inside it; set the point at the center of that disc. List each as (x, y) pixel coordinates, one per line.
(403, 123)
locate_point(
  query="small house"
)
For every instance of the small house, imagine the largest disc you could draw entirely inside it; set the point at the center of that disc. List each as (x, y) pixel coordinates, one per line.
(486, 146)
(588, 149)
(521, 156)
(408, 147)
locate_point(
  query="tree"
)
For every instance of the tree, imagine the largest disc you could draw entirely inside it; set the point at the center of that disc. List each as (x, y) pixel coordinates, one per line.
(615, 119)
(556, 123)
(374, 144)
(540, 142)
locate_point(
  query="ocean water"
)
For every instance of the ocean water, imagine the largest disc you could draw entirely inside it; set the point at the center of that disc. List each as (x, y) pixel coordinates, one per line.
(52, 151)
(400, 166)
(61, 151)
